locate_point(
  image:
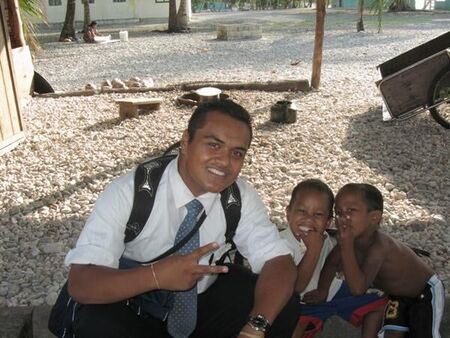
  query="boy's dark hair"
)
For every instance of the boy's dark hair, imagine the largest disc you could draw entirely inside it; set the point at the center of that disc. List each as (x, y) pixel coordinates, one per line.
(93, 23)
(226, 107)
(371, 195)
(314, 185)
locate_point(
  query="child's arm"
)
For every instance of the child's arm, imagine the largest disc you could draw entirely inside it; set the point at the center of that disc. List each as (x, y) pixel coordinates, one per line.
(358, 278)
(305, 269)
(327, 275)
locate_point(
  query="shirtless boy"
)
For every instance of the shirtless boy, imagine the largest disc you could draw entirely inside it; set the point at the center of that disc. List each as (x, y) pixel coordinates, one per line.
(368, 257)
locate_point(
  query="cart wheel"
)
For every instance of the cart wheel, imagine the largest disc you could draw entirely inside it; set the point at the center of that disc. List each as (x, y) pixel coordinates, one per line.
(440, 91)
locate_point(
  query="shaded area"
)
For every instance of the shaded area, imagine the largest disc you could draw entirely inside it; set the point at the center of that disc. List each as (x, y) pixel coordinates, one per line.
(403, 152)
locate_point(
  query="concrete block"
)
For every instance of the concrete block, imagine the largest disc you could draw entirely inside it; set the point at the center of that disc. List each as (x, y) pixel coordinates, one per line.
(39, 321)
(239, 31)
(15, 322)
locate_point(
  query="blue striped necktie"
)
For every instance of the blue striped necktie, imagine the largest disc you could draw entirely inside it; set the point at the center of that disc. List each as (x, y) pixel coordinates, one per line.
(183, 316)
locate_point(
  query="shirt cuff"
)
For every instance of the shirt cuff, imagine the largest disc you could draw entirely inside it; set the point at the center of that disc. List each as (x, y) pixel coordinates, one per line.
(88, 254)
(258, 262)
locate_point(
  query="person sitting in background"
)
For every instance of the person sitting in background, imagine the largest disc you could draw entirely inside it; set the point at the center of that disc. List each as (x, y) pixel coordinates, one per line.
(91, 32)
(91, 35)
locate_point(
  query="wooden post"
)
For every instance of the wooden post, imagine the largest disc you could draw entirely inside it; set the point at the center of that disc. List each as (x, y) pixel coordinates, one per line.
(11, 127)
(15, 24)
(318, 43)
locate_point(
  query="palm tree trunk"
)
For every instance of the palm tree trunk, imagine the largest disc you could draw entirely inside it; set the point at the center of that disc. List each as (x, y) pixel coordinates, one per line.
(15, 24)
(318, 43)
(182, 18)
(87, 15)
(68, 30)
(172, 16)
(360, 22)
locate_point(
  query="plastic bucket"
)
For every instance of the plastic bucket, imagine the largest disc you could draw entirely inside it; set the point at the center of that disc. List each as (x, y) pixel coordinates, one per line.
(123, 36)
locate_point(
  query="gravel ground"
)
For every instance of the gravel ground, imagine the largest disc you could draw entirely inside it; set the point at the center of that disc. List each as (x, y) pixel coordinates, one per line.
(76, 145)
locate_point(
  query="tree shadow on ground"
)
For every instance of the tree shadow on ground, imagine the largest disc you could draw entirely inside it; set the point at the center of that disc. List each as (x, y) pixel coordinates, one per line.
(412, 154)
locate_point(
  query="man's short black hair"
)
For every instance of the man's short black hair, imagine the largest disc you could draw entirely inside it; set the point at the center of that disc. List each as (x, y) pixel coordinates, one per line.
(93, 23)
(226, 107)
(371, 195)
(314, 185)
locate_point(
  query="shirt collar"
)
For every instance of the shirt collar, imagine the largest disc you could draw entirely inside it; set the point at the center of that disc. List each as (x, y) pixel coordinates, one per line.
(181, 193)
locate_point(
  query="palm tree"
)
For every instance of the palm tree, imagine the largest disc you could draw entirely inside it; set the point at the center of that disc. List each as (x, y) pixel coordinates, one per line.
(172, 27)
(68, 30)
(87, 15)
(182, 18)
(178, 21)
(360, 22)
(379, 6)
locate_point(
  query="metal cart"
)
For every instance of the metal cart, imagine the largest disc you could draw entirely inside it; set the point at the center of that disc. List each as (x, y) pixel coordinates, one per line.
(419, 80)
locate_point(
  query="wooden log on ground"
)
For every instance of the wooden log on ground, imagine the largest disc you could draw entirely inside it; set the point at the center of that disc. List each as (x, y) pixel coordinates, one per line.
(71, 93)
(270, 86)
(108, 91)
(138, 90)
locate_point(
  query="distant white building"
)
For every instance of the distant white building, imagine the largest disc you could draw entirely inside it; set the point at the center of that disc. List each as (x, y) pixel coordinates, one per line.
(105, 10)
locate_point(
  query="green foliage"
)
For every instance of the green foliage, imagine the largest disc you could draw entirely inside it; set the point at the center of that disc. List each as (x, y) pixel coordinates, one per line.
(379, 6)
(30, 12)
(198, 5)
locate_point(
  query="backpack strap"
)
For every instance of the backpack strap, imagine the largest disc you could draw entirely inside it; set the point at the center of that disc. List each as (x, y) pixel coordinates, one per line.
(230, 199)
(170, 251)
(146, 181)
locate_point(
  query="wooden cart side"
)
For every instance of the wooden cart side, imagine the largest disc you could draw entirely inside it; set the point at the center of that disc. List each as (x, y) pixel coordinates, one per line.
(407, 90)
(415, 55)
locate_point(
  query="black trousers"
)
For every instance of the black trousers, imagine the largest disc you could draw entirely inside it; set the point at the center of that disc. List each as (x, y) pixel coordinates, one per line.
(222, 312)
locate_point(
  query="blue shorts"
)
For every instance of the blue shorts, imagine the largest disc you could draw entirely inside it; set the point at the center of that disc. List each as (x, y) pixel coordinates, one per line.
(344, 304)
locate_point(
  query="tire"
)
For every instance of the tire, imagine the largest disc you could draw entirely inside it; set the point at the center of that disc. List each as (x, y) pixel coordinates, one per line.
(40, 85)
(440, 90)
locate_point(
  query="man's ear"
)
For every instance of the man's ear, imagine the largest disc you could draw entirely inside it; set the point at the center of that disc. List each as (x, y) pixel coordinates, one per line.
(375, 216)
(184, 142)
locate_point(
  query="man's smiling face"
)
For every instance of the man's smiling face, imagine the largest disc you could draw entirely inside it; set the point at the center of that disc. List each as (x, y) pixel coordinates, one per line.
(212, 160)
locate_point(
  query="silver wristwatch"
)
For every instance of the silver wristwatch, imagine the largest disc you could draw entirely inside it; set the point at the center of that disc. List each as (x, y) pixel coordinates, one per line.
(258, 323)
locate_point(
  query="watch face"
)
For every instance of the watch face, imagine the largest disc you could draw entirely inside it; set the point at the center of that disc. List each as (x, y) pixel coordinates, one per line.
(259, 323)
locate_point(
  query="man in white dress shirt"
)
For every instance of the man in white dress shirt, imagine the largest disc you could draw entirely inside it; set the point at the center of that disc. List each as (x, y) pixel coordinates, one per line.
(232, 301)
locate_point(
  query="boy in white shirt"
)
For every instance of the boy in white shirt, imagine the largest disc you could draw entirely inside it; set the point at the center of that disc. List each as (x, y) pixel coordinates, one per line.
(309, 214)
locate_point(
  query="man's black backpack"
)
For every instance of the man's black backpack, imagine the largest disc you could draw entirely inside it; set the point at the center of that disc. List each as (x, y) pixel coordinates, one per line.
(146, 181)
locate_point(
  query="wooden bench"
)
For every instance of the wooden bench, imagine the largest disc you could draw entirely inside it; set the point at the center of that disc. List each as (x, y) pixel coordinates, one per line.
(130, 107)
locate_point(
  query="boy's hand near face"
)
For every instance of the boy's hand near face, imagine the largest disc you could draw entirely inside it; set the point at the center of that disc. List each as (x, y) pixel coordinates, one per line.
(345, 235)
(312, 238)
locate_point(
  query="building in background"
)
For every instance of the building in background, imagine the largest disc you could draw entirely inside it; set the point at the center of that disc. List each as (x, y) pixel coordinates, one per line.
(110, 10)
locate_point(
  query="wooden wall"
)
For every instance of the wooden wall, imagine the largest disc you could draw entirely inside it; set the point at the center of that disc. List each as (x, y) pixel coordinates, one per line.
(11, 127)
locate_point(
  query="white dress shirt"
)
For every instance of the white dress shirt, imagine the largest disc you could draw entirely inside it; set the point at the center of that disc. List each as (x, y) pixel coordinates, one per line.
(101, 241)
(299, 249)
